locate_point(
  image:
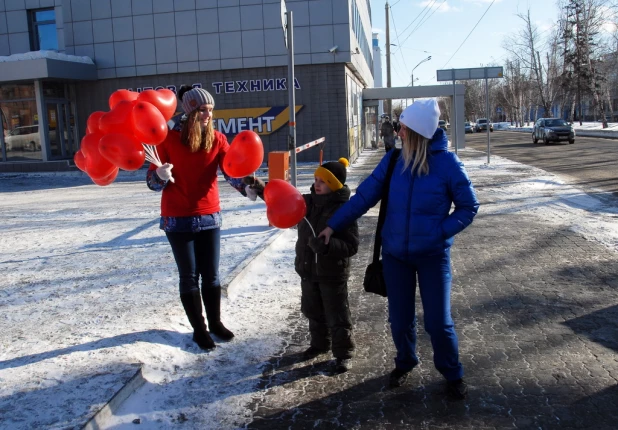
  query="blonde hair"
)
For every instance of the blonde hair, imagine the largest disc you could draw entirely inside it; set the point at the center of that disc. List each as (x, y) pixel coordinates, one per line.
(412, 143)
(192, 135)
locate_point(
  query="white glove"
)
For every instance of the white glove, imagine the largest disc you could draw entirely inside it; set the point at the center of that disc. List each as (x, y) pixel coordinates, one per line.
(251, 193)
(165, 172)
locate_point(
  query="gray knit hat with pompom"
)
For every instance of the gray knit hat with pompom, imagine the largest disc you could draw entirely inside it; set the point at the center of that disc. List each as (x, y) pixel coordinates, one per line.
(195, 98)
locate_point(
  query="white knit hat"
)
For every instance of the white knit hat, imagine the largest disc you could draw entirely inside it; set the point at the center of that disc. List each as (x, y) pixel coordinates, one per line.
(422, 116)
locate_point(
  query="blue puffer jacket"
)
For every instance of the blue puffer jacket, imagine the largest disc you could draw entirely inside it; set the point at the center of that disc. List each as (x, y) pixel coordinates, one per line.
(418, 219)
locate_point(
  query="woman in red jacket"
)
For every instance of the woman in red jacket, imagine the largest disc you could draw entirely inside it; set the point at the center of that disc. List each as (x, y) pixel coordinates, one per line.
(190, 211)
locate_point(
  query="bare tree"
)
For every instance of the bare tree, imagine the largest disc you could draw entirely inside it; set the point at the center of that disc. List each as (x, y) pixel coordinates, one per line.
(584, 70)
(514, 89)
(525, 48)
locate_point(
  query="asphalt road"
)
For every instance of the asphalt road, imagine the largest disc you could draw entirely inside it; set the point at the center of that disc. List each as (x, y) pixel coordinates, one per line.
(590, 163)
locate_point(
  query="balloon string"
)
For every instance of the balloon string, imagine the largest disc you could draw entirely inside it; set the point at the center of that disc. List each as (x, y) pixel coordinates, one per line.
(313, 231)
(151, 155)
(310, 226)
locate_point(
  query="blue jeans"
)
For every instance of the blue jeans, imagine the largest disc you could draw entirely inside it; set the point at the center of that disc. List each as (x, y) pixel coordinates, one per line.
(434, 282)
(196, 254)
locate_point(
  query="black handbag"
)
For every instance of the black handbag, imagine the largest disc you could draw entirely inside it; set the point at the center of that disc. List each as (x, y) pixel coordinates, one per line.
(374, 274)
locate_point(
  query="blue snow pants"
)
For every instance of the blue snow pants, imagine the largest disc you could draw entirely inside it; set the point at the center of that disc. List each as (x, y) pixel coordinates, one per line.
(434, 282)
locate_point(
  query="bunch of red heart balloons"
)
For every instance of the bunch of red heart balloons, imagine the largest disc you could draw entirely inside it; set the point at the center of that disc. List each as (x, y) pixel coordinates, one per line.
(114, 139)
(285, 205)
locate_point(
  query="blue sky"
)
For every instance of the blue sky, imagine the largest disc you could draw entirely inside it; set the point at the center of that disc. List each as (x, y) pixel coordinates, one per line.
(444, 26)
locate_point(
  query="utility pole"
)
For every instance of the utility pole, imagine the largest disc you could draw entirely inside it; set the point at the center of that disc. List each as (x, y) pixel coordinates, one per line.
(579, 62)
(387, 103)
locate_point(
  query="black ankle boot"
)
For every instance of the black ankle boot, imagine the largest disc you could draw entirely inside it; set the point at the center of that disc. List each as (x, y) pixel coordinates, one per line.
(212, 302)
(193, 308)
(458, 390)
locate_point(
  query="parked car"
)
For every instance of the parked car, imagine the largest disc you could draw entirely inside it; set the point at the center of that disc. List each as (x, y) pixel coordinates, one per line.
(552, 130)
(443, 125)
(481, 125)
(468, 127)
(23, 138)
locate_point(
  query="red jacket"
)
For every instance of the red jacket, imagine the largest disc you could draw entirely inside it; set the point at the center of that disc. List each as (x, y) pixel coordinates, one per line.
(195, 190)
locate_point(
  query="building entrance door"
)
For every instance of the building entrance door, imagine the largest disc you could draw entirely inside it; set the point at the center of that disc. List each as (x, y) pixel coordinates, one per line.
(61, 130)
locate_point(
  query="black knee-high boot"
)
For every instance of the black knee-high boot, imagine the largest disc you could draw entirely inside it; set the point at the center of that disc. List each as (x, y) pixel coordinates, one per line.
(193, 307)
(212, 302)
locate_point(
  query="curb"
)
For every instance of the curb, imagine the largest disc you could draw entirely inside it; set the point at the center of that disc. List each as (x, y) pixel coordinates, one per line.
(100, 418)
(236, 276)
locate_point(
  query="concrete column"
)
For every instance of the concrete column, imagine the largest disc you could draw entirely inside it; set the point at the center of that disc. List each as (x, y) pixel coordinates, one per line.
(458, 132)
(43, 125)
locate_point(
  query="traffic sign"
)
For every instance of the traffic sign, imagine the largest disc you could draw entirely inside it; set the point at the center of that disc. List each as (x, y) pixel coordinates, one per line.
(465, 74)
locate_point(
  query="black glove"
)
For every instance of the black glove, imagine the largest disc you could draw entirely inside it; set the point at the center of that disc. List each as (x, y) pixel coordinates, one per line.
(254, 184)
(317, 245)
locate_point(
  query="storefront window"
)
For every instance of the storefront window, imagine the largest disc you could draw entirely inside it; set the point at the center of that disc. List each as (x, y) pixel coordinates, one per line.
(20, 125)
(15, 92)
(53, 89)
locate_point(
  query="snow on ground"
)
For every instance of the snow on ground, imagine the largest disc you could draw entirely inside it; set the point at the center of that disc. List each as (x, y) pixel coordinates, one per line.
(511, 187)
(88, 286)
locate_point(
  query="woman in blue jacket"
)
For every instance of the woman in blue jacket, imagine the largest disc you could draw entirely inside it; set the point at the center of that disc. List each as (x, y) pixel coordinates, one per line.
(418, 232)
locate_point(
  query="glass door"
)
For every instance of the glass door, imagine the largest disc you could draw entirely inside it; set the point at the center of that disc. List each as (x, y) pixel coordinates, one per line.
(371, 126)
(61, 130)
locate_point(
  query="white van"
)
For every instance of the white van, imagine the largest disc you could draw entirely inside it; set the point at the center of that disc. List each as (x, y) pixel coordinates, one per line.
(23, 139)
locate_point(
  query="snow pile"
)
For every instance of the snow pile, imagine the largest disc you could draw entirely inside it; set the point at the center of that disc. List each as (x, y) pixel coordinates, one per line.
(52, 55)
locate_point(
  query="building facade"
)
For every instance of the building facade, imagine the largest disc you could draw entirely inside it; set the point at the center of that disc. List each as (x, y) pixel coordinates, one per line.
(377, 68)
(62, 59)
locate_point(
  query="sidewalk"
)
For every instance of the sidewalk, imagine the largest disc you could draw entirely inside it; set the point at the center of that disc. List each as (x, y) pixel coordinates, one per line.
(535, 307)
(535, 303)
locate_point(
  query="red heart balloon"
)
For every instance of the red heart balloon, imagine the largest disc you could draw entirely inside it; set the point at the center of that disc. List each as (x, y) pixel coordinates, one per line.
(122, 150)
(90, 145)
(121, 95)
(108, 179)
(163, 99)
(119, 119)
(148, 123)
(92, 125)
(80, 160)
(98, 167)
(245, 155)
(285, 205)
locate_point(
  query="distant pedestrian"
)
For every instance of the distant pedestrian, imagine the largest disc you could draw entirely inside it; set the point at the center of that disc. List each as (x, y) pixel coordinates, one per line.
(416, 238)
(387, 132)
(190, 209)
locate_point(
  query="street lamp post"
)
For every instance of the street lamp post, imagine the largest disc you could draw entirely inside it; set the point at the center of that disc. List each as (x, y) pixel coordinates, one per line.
(412, 73)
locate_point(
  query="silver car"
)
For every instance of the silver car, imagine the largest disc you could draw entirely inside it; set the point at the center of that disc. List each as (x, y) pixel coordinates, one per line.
(552, 130)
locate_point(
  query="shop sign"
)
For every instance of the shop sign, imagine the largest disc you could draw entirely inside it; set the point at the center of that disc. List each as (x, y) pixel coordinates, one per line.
(253, 85)
(262, 120)
(232, 87)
